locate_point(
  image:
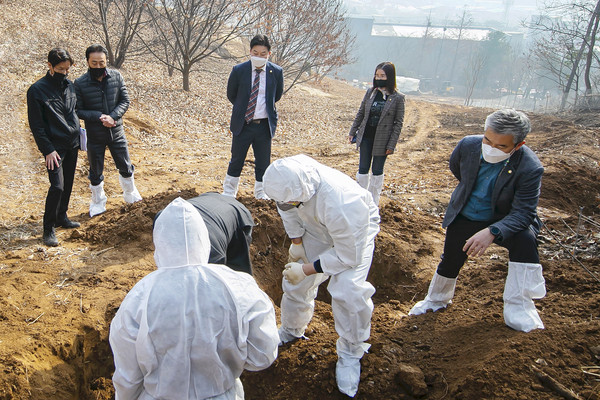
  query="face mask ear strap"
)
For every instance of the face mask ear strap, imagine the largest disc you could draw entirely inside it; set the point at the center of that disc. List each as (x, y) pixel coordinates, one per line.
(517, 147)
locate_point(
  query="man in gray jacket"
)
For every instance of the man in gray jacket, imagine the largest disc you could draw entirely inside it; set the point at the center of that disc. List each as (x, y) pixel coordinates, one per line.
(495, 202)
(102, 100)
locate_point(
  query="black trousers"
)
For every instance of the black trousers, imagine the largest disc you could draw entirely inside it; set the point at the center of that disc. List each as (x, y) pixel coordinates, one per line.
(522, 247)
(259, 137)
(61, 184)
(96, 147)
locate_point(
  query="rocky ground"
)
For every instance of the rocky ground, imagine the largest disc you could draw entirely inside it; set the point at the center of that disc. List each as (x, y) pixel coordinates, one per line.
(56, 304)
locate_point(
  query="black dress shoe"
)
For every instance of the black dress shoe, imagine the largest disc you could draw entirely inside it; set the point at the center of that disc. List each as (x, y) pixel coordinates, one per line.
(67, 223)
(50, 238)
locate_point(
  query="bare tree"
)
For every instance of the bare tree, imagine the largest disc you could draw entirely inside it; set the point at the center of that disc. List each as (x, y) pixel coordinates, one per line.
(426, 37)
(463, 22)
(120, 22)
(310, 38)
(584, 44)
(191, 30)
(476, 63)
(572, 26)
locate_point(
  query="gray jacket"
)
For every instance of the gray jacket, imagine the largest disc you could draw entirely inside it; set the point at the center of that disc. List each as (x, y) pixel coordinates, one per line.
(95, 98)
(389, 126)
(516, 192)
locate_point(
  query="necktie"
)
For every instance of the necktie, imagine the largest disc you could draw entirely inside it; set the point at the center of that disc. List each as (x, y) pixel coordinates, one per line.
(253, 96)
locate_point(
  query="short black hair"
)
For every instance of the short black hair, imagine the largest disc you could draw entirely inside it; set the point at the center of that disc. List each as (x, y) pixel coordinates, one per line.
(390, 73)
(95, 48)
(58, 55)
(260, 40)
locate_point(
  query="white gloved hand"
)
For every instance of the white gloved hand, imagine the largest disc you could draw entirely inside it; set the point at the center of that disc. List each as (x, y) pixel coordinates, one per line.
(294, 273)
(297, 253)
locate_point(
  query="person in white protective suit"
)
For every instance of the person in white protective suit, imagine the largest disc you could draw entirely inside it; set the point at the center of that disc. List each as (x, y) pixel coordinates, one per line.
(332, 223)
(495, 202)
(189, 329)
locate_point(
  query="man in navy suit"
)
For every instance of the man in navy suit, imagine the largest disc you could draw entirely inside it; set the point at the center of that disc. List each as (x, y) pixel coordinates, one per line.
(253, 88)
(495, 202)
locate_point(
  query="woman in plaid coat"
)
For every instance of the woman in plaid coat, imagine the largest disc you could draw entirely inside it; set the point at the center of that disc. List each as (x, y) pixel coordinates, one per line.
(377, 127)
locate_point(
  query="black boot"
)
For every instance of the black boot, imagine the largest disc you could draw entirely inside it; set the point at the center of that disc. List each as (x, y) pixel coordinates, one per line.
(67, 223)
(50, 238)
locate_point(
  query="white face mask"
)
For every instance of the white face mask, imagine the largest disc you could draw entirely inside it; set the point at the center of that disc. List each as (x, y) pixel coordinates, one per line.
(494, 155)
(258, 62)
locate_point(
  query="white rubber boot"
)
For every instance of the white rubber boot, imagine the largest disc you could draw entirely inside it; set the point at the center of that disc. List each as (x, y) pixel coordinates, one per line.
(439, 295)
(524, 283)
(130, 192)
(230, 185)
(259, 192)
(98, 202)
(375, 186)
(347, 368)
(363, 180)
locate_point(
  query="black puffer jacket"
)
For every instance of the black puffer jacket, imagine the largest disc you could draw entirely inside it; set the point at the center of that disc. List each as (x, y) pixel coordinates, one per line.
(95, 98)
(51, 113)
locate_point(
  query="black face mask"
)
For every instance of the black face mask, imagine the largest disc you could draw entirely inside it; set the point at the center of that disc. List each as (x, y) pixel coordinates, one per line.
(97, 72)
(58, 77)
(380, 83)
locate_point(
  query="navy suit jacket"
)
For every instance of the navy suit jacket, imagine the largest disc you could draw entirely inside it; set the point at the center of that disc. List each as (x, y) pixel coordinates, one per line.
(238, 93)
(516, 192)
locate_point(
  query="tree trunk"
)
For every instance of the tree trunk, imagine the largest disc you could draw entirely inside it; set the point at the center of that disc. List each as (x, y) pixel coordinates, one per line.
(590, 56)
(186, 77)
(576, 63)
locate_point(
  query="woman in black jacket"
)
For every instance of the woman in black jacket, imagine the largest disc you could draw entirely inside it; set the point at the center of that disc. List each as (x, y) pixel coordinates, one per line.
(377, 127)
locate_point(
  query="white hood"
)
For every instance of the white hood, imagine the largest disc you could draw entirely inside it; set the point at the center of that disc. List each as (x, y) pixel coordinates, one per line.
(292, 179)
(180, 236)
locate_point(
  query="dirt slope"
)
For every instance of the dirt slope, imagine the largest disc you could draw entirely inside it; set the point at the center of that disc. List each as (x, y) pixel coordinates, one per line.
(56, 304)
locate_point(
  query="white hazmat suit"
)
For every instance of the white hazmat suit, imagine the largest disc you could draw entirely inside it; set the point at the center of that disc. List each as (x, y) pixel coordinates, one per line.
(189, 329)
(337, 221)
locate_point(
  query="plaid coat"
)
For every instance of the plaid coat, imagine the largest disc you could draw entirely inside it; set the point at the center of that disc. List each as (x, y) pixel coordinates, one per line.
(390, 122)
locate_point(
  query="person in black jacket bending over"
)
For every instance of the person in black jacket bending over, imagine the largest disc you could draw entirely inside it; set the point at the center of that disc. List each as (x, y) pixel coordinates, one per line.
(229, 225)
(55, 127)
(102, 100)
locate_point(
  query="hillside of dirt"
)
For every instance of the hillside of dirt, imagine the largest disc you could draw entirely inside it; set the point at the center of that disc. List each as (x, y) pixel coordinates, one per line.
(56, 304)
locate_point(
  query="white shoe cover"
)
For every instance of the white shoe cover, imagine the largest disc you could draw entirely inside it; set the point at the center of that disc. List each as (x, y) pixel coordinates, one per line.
(230, 186)
(259, 192)
(524, 283)
(347, 375)
(375, 186)
(285, 336)
(98, 202)
(439, 295)
(363, 180)
(130, 192)
(422, 306)
(347, 368)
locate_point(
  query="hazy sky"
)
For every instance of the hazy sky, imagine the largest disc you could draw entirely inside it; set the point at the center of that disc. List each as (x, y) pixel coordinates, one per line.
(416, 11)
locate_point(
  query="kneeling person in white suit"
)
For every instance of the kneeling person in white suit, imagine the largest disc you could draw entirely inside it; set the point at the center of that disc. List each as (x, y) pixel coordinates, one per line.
(332, 222)
(189, 329)
(495, 202)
